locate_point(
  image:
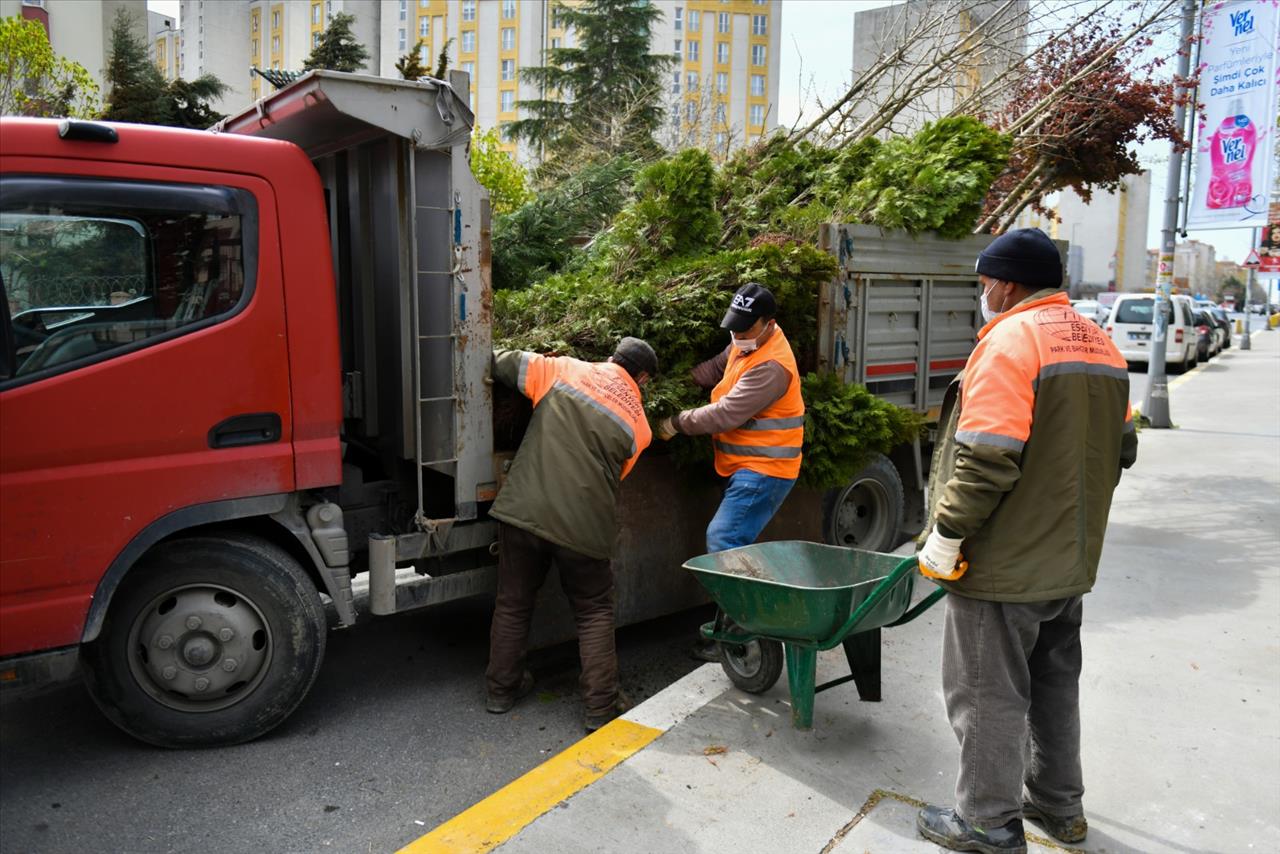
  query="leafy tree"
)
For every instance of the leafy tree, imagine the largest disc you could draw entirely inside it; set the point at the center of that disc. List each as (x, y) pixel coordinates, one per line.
(498, 173)
(139, 92)
(410, 65)
(338, 49)
(35, 81)
(602, 96)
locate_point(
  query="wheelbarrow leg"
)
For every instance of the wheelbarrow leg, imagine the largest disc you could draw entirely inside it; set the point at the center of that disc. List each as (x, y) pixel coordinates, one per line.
(802, 669)
(863, 651)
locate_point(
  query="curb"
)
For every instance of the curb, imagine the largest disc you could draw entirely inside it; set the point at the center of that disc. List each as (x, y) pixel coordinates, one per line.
(499, 817)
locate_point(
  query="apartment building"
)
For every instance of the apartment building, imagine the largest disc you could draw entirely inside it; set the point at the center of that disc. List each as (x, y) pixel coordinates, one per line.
(1107, 236)
(993, 31)
(165, 44)
(80, 30)
(1195, 267)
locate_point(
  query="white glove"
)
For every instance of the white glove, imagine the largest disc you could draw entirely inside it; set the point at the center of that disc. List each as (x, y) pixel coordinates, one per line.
(666, 430)
(940, 557)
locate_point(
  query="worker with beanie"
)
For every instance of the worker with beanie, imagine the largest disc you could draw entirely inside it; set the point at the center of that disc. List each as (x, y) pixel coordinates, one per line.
(558, 504)
(755, 419)
(1032, 439)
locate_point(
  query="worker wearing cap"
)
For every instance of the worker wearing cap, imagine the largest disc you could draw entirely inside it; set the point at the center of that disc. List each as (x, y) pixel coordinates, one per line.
(755, 419)
(558, 505)
(1033, 436)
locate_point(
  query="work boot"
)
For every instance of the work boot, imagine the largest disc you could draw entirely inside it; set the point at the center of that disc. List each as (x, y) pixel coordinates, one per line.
(944, 827)
(499, 705)
(595, 720)
(1070, 829)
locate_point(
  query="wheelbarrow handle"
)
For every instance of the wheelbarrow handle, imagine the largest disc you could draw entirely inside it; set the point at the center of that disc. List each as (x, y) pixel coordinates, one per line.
(886, 584)
(923, 605)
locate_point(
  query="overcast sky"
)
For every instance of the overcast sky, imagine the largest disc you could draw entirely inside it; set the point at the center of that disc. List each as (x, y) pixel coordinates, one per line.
(817, 53)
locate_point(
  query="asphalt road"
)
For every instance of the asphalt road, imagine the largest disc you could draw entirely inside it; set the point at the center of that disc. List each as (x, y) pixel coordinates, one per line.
(392, 741)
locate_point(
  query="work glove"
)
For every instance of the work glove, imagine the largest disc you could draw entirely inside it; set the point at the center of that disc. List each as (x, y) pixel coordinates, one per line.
(666, 429)
(940, 558)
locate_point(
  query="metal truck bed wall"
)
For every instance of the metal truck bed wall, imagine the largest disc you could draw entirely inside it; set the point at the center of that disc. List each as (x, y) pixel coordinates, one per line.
(408, 227)
(902, 315)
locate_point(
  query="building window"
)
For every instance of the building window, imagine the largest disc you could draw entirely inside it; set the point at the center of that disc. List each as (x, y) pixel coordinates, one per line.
(422, 4)
(468, 10)
(676, 49)
(757, 84)
(275, 46)
(695, 20)
(508, 69)
(424, 27)
(404, 39)
(722, 83)
(555, 43)
(328, 10)
(509, 38)
(691, 81)
(508, 8)
(693, 51)
(675, 83)
(470, 68)
(675, 117)
(468, 41)
(275, 20)
(720, 138)
(315, 13)
(253, 24)
(757, 54)
(722, 52)
(315, 40)
(761, 2)
(759, 25)
(679, 19)
(691, 111)
(557, 18)
(508, 100)
(724, 23)
(719, 114)
(757, 115)
(424, 55)
(404, 10)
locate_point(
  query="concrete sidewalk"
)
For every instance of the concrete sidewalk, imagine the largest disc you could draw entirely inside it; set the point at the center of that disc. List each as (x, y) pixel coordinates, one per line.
(1180, 692)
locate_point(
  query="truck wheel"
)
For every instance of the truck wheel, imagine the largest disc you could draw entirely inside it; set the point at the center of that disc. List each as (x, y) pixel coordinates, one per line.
(211, 641)
(867, 513)
(753, 667)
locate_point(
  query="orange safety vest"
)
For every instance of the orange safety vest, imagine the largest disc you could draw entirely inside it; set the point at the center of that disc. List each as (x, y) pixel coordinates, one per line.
(605, 387)
(769, 443)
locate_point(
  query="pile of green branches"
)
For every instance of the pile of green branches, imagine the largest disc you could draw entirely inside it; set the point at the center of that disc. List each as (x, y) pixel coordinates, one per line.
(667, 262)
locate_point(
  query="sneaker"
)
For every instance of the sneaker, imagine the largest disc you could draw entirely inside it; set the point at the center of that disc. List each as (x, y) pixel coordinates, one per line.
(496, 704)
(1070, 829)
(944, 827)
(595, 720)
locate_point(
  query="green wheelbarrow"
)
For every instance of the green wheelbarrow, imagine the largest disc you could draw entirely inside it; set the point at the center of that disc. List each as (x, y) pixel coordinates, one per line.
(791, 599)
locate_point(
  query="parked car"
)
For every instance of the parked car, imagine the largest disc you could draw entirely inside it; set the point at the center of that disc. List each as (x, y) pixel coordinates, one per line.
(1221, 320)
(1132, 323)
(1092, 309)
(1206, 335)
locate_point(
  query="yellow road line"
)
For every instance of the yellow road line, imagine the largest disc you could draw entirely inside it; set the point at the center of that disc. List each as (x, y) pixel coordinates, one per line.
(507, 811)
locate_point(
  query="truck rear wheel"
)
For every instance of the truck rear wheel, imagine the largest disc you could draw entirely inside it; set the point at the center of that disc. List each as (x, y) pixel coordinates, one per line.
(211, 641)
(867, 513)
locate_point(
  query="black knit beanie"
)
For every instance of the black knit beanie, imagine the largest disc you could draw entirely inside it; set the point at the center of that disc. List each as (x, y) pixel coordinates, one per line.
(1025, 256)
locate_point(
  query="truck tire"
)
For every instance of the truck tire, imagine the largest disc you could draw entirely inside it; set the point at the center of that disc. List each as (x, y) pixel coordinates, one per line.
(210, 641)
(752, 667)
(867, 514)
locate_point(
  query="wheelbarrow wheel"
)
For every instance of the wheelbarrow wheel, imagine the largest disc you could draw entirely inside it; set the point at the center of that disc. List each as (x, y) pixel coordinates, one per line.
(754, 666)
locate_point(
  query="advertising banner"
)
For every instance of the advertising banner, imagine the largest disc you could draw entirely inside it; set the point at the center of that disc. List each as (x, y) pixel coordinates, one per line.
(1235, 137)
(1269, 251)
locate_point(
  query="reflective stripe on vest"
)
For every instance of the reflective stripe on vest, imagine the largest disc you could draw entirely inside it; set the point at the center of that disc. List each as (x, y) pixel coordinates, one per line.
(604, 387)
(770, 443)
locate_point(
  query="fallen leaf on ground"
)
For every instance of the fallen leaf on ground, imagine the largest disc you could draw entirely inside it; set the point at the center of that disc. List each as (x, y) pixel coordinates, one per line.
(715, 750)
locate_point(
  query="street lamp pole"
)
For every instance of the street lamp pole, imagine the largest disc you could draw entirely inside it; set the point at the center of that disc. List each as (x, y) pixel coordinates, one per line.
(1156, 405)
(1245, 342)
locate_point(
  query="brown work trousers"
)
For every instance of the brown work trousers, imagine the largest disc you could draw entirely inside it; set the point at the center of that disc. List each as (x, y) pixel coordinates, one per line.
(523, 562)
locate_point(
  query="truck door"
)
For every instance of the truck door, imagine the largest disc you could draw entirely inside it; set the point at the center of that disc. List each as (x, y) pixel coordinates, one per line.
(146, 371)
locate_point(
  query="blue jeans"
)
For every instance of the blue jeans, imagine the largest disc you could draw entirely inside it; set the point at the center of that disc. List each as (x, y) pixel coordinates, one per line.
(749, 502)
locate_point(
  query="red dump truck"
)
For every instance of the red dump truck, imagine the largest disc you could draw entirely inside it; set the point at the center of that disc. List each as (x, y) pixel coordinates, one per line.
(241, 368)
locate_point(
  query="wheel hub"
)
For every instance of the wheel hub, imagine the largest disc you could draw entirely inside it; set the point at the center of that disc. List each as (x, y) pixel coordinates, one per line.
(861, 515)
(199, 648)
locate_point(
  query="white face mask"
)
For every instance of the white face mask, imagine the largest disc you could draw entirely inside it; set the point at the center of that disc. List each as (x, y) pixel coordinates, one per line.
(748, 345)
(988, 313)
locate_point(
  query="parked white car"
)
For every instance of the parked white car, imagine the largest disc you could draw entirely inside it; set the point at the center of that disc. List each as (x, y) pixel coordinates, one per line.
(1132, 323)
